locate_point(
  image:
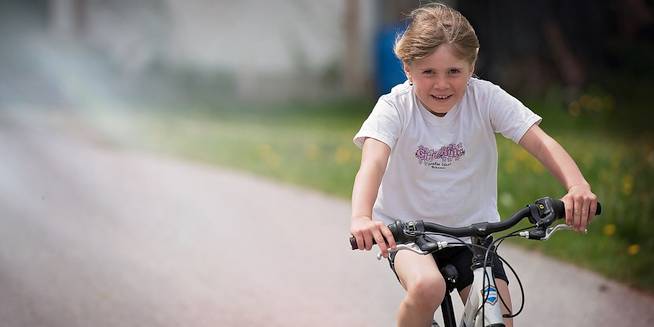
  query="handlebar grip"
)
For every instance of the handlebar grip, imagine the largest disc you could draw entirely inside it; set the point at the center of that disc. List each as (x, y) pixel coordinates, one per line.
(353, 243)
(396, 228)
(355, 246)
(559, 208)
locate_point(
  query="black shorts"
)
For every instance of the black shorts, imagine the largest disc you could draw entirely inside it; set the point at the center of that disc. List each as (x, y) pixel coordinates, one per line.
(461, 258)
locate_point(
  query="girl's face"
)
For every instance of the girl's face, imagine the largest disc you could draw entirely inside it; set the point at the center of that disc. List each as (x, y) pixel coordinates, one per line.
(439, 79)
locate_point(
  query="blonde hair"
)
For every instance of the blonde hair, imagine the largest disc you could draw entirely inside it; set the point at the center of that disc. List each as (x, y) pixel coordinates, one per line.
(433, 25)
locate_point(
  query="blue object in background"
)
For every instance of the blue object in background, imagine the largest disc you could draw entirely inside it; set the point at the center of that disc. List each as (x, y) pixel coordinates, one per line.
(388, 69)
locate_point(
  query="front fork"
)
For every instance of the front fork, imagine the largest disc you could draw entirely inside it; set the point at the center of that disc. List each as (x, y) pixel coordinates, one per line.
(482, 288)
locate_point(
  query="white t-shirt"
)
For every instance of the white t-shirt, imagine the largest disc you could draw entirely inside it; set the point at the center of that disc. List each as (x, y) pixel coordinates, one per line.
(443, 169)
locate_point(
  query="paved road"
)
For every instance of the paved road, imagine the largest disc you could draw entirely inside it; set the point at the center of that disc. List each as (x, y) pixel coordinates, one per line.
(91, 235)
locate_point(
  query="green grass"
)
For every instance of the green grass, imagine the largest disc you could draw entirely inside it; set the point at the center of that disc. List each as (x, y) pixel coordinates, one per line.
(306, 146)
(620, 242)
(310, 145)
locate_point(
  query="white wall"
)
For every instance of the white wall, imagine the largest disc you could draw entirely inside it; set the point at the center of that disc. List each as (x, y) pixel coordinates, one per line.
(276, 48)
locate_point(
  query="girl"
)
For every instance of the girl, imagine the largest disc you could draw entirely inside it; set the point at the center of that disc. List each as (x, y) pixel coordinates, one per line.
(432, 139)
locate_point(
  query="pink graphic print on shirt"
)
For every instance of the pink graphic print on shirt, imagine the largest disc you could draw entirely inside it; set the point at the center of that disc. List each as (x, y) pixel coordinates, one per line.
(442, 157)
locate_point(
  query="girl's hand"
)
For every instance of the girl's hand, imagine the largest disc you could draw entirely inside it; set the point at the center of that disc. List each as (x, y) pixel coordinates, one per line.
(580, 206)
(364, 229)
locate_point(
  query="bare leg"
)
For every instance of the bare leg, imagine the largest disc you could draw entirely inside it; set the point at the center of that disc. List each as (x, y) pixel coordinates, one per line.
(425, 288)
(503, 288)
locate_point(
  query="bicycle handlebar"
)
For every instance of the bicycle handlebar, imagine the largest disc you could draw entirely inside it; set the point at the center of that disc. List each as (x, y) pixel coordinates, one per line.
(542, 213)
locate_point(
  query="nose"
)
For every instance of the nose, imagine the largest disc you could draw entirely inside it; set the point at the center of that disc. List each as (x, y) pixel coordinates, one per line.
(440, 82)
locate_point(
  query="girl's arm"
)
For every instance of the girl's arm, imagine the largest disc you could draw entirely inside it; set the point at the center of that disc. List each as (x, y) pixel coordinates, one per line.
(366, 185)
(580, 202)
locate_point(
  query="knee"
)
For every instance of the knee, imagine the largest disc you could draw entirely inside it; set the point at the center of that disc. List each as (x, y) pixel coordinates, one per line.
(426, 292)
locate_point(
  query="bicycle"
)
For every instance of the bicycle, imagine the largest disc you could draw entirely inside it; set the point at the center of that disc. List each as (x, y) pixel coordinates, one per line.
(481, 308)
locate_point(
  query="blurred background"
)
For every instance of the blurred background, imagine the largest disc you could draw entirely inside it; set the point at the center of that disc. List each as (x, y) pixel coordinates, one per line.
(278, 88)
(281, 50)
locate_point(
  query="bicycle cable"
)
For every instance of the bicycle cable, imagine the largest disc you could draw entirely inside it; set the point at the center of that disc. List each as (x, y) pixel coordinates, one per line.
(487, 282)
(461, 241)
(486, 277)
(499, 242)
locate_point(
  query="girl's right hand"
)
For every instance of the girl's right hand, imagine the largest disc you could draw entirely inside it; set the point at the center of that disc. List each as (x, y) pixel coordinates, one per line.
(364, 229)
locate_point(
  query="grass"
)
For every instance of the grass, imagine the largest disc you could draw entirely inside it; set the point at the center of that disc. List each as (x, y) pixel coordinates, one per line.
(619, 243)
(310, 145)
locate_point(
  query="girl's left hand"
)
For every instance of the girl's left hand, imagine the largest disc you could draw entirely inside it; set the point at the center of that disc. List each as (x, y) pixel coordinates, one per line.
(580, 206)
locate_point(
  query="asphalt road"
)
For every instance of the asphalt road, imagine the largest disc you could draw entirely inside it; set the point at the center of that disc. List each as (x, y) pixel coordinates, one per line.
(93, 235)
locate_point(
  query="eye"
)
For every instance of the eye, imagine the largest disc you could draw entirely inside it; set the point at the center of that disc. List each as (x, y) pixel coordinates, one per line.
(454, 71)
(427, 72)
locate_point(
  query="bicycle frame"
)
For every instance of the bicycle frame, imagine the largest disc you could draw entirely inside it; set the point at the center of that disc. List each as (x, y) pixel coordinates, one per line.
(483, 288)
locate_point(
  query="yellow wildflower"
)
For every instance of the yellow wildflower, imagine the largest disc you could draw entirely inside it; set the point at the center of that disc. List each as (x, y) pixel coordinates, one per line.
(609, 230)
(343, 154)
(595, 104)
(627, 184)
(264, 149)
(633, 249)
(521, 155)
(585, 100)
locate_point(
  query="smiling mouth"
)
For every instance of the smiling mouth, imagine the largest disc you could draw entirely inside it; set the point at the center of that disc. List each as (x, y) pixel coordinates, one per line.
(441, 97)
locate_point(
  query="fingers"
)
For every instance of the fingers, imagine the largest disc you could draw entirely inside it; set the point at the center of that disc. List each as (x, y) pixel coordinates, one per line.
(579, 215)
(388, 235)
(384, 238)
(589, 208)
(593, 210)
(579, 210)
(374, 232)
(362, 232)
(380, 242)
(359, 237)
(362, 237)
(367, 240)
(569, 217)
(576, 212)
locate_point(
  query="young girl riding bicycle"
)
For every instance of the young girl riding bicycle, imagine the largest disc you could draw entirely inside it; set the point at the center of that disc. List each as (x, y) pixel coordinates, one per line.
(429, 153)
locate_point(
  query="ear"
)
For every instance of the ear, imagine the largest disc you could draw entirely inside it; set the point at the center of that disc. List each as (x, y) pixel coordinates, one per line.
(472, 68)
(474, 62)
(407, 71)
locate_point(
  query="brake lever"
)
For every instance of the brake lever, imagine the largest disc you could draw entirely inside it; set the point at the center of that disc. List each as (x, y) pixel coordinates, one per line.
(551, 230)
(413, 247)
(543, 235)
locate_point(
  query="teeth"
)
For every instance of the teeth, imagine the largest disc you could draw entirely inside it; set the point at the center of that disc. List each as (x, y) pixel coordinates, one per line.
(441, 97)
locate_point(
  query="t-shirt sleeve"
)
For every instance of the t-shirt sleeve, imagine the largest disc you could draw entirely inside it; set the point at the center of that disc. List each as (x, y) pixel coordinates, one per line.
(383, 124)
(509, 116)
